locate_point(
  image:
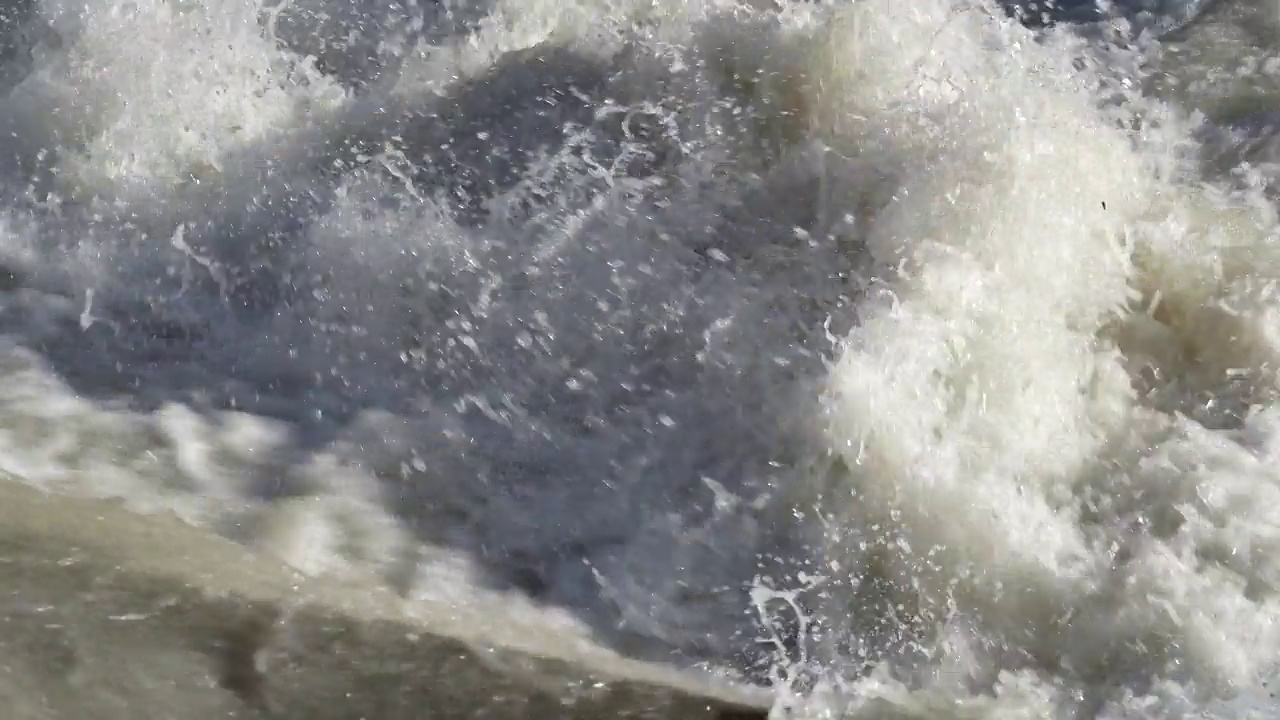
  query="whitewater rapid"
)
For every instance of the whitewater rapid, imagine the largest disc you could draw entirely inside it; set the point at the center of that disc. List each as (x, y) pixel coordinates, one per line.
(915, 361)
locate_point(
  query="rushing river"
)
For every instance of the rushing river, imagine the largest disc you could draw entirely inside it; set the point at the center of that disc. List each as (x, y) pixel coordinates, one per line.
(910, 358)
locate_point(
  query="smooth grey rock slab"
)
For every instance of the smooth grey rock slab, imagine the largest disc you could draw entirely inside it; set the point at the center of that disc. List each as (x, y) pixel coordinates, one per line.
(110, 615)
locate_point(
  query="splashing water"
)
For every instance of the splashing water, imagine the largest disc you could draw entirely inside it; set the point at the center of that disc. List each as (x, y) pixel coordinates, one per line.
(915, 361)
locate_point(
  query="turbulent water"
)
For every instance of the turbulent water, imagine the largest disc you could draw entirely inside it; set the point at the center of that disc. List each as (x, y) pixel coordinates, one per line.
(920, 363)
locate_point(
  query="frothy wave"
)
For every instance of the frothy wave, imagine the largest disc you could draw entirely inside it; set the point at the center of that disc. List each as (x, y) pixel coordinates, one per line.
(937, 351)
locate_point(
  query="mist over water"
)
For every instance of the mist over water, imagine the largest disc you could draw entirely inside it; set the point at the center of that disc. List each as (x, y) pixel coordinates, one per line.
(914, 361)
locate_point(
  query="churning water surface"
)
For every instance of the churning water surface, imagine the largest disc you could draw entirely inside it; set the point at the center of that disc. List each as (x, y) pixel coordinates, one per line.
(920, 363)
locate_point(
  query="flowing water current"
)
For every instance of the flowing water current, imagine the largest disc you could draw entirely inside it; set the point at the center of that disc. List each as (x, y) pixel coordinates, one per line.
(916, 361)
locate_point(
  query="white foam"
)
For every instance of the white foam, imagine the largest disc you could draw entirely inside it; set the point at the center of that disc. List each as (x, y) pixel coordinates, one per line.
(982, 408)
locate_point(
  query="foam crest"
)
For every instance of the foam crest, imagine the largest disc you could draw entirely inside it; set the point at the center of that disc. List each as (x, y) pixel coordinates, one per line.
(985, 416)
